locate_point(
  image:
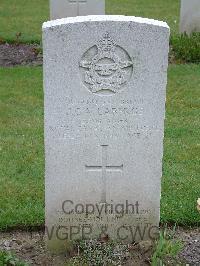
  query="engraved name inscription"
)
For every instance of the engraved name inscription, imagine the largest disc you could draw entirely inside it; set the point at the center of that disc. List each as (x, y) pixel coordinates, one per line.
(99, 118)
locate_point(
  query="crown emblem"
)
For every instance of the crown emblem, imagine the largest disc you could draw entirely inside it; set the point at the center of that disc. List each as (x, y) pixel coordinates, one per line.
(106, 44)
(106, 67)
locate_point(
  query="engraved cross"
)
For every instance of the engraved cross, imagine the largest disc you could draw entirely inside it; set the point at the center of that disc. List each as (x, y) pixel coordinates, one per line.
(77, 4)
(104, 168)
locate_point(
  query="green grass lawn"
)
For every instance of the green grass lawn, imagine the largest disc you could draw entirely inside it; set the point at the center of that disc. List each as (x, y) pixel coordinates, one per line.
(168, 11)
(27, 16)
(181, 186)
(22, 149)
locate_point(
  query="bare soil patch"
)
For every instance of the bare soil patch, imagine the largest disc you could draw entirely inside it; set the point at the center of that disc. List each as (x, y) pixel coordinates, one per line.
(191, 250)
(30, 247)
(20, 54)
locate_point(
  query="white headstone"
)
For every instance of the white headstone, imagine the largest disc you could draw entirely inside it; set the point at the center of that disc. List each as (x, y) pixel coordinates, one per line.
(72, 8)
(105, 81)
(190, 16)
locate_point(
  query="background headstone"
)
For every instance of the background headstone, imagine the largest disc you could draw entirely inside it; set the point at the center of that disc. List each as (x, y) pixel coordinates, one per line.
(71, 8)
(190, 16)
(105, 81)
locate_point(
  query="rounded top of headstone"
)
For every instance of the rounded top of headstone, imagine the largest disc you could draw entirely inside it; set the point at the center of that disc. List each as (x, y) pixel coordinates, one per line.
(99, 18)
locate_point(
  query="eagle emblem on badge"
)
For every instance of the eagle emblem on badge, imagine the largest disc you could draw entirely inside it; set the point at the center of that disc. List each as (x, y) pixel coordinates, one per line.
(106, 67)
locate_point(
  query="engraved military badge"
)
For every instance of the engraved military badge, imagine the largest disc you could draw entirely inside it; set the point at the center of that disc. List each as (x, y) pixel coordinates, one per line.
(106, 67)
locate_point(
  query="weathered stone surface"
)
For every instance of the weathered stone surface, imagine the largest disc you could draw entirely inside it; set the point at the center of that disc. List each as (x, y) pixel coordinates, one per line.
(72, 8)
(190, 16)
(104, 81)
